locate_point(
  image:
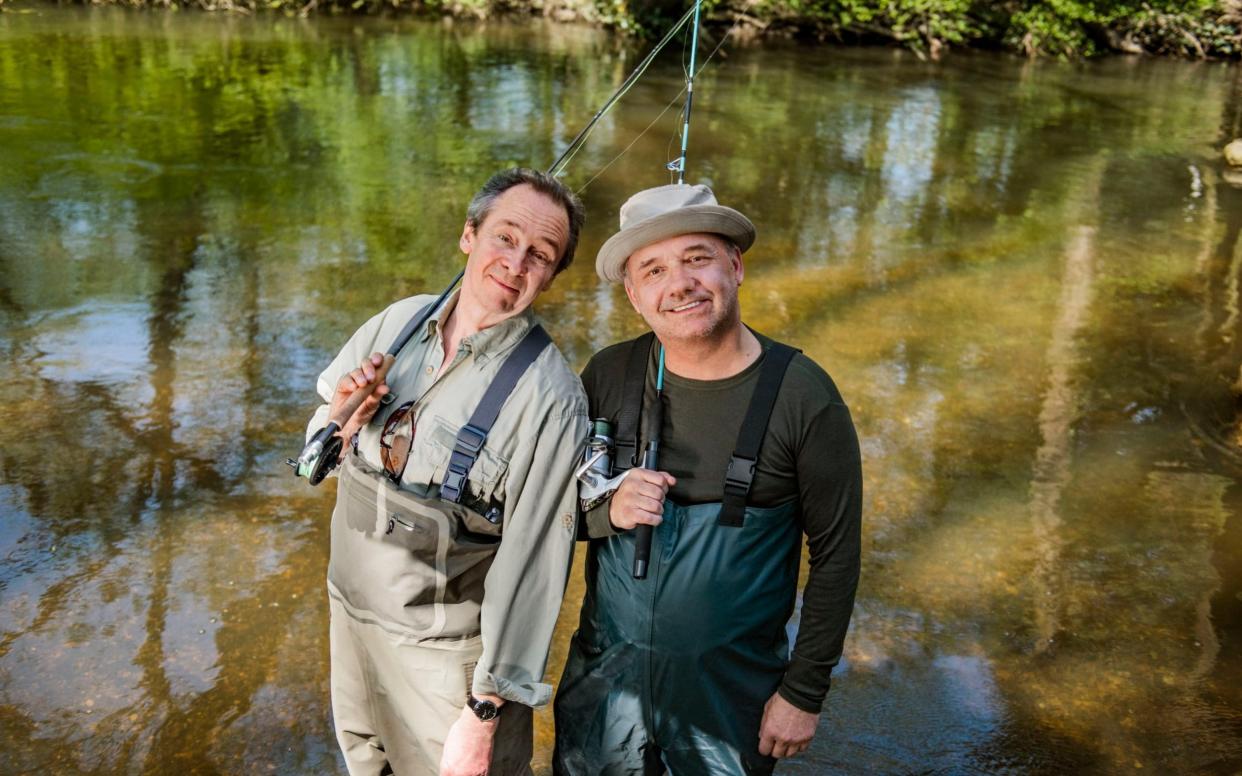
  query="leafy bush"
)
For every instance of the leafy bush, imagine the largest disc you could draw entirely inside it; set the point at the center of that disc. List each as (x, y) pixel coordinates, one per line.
(1067, 29)
(1060, 28)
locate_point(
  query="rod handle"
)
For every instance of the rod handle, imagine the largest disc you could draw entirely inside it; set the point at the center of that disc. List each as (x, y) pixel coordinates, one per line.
(355, 400)
(642, 531)
(642, 549)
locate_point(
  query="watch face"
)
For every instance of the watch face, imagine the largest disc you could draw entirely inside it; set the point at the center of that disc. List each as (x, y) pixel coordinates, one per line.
(484, 710)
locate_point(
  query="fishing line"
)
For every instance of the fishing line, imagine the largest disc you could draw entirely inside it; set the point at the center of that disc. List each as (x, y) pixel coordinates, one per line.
(671, 103)
(702, 67)
(576, 144)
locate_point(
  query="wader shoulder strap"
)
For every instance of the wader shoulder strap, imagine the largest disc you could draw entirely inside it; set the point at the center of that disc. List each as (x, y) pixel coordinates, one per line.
(412, 326)
(632, 390)
(471, 437)
(741, 471)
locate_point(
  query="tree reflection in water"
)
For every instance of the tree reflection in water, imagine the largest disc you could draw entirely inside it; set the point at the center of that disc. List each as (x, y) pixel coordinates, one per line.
(1024, 277)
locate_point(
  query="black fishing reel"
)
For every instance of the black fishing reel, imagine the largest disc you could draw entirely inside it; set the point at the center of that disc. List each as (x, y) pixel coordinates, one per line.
(320, 456)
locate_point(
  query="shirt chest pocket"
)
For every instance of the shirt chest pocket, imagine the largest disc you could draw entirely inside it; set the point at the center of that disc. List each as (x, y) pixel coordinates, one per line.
(485, 486)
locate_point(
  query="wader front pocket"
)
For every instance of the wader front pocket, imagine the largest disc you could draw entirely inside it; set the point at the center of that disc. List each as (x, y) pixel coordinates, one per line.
(417, 562)
(411, 533)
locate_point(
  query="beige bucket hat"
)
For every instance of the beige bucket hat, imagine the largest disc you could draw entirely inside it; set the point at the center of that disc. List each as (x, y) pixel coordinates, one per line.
(656, 214)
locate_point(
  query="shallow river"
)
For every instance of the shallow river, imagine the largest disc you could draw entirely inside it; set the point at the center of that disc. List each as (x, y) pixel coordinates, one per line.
(1025, 279)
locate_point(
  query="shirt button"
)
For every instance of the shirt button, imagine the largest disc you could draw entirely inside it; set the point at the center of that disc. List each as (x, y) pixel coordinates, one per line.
(428, 370)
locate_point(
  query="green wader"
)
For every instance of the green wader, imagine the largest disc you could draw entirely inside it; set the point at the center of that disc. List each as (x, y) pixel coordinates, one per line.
(672, 672)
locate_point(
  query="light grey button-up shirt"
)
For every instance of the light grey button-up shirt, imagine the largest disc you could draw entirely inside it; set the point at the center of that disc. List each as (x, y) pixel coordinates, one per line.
(527, 463)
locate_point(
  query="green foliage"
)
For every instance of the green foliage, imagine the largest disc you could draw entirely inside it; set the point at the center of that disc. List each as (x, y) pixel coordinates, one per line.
(1074, 28)
(1066, 29)
(921, 24)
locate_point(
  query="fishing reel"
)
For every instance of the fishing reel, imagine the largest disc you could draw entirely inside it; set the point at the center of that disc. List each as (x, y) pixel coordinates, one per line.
(320, 456)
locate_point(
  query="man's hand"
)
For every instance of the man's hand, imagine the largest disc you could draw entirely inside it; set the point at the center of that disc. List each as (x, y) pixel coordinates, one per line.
(468, 747)
(361, 377)
(785, 730)
(640, 499)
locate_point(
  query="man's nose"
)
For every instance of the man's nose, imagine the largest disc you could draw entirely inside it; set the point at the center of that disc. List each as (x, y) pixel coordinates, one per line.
(680, 279)
(514, 259)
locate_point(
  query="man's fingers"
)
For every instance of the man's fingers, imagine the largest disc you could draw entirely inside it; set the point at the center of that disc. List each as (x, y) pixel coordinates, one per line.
(363, 376)
(639, 502)
(659, 479)
(638, 513)
(780, 748)
(765, 746)
(653, 492)
(649, 515)
(627, 516)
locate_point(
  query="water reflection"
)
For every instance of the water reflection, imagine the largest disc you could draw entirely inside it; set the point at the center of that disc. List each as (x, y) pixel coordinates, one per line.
(1024, 277)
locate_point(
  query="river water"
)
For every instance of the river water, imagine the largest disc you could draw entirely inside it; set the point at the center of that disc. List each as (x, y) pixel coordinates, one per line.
(1024, 278)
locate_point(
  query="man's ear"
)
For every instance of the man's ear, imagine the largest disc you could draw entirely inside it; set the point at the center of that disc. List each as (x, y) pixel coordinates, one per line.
(629, 292)
(466, 243)
(739, 269)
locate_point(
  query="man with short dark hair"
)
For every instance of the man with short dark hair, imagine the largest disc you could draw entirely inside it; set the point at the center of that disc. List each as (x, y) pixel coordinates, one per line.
(454, 522)
(688, 670)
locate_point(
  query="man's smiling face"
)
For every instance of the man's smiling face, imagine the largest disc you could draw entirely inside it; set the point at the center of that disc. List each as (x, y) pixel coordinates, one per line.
(514, 252)
(685, 287)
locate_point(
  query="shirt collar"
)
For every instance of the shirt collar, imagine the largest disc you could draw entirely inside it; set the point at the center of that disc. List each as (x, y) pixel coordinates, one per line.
(432, 328)
(488, 342)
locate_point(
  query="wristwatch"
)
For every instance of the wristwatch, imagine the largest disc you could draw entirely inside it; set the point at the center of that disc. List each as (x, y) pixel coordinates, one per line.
(484, 710)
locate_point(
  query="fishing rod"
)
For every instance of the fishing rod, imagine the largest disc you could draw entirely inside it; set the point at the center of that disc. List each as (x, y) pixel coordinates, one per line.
(651, 461)
(322, 453)
(643, 532)
(679, 164)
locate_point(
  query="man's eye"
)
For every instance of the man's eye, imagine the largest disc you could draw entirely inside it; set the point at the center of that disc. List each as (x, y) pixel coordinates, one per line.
(698, 259)
(654, 271)
(541, 259)
(506, 239)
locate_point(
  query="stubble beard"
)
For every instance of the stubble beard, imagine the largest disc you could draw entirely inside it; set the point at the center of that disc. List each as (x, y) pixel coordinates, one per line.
(717, 328)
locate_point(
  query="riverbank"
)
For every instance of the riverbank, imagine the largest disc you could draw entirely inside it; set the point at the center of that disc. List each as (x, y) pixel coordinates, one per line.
(1069, 29)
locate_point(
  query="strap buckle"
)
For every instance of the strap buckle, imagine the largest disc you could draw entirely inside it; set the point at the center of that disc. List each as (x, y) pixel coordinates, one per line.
(739, 474)
(454, 481)
(470, 439)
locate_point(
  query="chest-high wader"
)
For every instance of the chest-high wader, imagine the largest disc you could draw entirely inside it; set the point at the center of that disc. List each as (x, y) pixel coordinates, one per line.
(673, 671)
(416, 564)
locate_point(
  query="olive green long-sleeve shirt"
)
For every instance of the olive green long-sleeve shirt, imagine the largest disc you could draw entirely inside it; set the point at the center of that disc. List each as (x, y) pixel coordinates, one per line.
(810, 454)
(527, 464)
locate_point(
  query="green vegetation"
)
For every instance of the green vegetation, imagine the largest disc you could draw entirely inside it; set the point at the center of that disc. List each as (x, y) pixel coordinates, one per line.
(1067, 29)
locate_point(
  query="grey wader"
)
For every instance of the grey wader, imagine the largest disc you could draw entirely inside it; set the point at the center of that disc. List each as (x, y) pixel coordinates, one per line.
(672, 672)
(406, 580)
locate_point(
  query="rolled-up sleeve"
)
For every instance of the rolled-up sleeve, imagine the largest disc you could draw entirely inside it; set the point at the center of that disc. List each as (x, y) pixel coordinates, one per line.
(526, 582)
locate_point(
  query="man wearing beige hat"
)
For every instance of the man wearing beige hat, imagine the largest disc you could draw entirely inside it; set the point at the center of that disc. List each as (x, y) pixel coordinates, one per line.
(688, 670)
